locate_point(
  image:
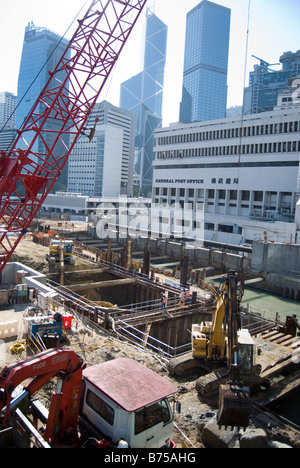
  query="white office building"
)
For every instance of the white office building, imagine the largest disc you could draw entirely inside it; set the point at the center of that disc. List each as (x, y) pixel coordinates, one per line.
(244, 171)
(8, 102)
(99, 166)
(95, 165)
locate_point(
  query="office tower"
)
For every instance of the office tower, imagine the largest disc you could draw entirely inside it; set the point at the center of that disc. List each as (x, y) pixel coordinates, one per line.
(103, 165)
(267, 84)
(143, 94)
(204, 92)
(42, 50)
(8, 103)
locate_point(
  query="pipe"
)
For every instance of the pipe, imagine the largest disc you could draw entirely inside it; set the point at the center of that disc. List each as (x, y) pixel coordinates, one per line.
(15, 402)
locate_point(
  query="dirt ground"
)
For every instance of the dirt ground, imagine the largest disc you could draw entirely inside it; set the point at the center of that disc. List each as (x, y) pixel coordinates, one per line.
(97, 345)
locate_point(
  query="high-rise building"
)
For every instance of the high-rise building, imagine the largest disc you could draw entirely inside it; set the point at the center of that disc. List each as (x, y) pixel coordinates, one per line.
(204, 92)
(143, 94)
(41, 52)
(267, 84)
(102, 165)
(8, 102)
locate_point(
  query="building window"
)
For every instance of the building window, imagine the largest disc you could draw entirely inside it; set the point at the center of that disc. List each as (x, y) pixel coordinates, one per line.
(151, 416)
(258, 196)
(100, 407)
(245, 195)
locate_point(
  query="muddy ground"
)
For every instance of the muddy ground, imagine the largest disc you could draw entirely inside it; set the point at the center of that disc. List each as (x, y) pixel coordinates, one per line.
(97, 345)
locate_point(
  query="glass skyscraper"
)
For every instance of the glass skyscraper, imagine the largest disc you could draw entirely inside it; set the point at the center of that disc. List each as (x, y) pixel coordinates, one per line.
(265, 83)
(204, 93)
(143, 94)
(41, 52)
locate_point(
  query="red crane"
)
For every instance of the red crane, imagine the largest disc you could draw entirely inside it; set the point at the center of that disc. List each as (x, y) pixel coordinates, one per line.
(27, 175)
(65, 402)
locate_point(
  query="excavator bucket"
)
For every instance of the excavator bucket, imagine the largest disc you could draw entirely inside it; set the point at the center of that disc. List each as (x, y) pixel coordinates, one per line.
(234, 406)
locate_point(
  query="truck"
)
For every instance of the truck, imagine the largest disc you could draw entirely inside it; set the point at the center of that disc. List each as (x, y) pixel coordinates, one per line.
(101, 406)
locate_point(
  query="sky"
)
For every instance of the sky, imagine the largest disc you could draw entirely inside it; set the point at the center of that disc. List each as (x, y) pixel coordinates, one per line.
(273, 30)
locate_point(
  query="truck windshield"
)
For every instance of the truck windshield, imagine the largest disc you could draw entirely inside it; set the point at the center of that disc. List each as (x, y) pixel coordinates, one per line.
(152, 415)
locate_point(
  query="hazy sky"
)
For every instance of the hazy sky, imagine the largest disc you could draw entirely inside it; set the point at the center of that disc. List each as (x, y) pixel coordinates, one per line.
(274, 29)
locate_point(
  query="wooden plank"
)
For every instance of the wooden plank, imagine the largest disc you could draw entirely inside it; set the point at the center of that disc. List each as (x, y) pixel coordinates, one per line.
(102, 284)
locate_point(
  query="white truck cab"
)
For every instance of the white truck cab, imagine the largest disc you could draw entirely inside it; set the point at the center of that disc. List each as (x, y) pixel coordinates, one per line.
(124, 400)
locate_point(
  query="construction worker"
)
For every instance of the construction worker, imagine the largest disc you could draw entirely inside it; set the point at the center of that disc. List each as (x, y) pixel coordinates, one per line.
(163, 302)
(188, 296)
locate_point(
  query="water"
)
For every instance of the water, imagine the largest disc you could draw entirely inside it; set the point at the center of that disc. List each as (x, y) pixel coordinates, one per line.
(271, 302)
(266, 301)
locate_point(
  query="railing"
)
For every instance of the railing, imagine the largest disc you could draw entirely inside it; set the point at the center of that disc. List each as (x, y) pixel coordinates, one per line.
(147, 341)
(127, 272)
(261, 318)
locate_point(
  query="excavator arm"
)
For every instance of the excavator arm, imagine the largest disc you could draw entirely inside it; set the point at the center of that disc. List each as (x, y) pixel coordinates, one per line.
(234, 396)
(65, 402)
(43, 144)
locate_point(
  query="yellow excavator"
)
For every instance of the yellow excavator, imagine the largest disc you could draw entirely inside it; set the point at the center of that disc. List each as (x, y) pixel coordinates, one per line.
(224, 353)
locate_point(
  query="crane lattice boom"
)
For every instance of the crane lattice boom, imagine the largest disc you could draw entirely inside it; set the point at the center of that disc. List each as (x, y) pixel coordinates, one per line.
(40, 151)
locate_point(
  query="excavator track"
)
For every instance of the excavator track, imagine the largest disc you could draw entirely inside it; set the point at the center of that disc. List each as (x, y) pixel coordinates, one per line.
(209, 384)
(181, 364)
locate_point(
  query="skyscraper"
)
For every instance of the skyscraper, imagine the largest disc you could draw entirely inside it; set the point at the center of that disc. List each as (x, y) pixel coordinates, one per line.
(143, 93)
(7, 120)
(7, 109)
(42, 50)
(266, 84)
(204, 93)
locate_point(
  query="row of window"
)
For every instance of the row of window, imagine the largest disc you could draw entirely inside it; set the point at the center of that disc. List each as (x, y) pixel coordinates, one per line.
(238, 132)
(245, 195)
(257, 148)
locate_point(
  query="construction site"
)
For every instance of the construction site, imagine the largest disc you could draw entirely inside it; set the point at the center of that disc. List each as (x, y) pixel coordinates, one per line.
(144, 344)
(111, 307)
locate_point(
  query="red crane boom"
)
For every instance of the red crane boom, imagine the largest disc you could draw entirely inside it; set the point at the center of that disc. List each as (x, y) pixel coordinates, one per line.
(29, 170)
(65, 402)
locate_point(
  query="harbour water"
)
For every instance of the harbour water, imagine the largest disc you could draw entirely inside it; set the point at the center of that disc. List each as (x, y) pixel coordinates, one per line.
(268, 302)
(265, 301)
(271, 302)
